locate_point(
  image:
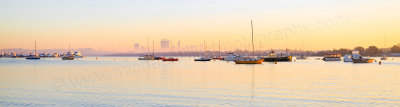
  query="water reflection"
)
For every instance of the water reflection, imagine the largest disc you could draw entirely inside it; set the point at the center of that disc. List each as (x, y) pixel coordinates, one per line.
(129, 82)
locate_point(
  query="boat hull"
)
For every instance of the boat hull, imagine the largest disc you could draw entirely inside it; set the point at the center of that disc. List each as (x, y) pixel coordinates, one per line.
(68, 58)
(32, 58)
(332, 59)
(288, 58)
(170, 60)
(202, 59)
(363, 61)
(146, 58)
(250, 62)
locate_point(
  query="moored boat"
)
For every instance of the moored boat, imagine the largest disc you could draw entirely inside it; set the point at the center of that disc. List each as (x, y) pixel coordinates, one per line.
(203, 59)
(69, 55)
(231, 57)
(146, 57)
(272, 57)
(332, 57)
(250, 60)
(347, 58)
(363, 60)
(35, 56)
(170, 59)
(302, 57)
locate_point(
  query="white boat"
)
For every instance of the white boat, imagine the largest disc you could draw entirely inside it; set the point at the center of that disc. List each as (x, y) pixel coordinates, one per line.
(78, 55)
(347, 58)
(231, 57)
(146, 57)
(302, 57)
(332, 57)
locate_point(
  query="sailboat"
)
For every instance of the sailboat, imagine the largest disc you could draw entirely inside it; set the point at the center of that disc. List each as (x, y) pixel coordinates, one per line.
(170, 58)
(219, 50)
(148, 56)
(69, 55)
(205, 56)
(250, 60)
(35, 56)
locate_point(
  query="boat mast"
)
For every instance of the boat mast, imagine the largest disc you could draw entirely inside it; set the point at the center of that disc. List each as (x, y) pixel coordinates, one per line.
(153, 48)
(148, 50)
(252, 41)
(213, 49)
(35, 48)
(69, 47)
(219, 48)
(205, 49)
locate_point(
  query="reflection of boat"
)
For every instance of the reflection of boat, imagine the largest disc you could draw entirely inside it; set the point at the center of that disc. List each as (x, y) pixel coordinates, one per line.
(332, 57)
(272, 57)
(231, 57)
(170, 59)
(35, 56)
(252, 60)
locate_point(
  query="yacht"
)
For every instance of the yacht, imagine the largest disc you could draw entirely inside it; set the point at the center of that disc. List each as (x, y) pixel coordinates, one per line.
(231, 57)
(33, 57)
(69, 55)
(78, 55)
(170, 59)
(205, 55)
(146, 57)
(332, 57)
(272, 57)
(347, 58)
(250, 60)
(357, 58)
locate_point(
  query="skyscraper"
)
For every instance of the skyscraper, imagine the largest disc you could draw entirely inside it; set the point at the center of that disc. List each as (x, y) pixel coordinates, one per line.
(165, 44)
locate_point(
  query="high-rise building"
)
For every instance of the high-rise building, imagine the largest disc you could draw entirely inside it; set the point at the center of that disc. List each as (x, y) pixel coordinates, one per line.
(165, 44)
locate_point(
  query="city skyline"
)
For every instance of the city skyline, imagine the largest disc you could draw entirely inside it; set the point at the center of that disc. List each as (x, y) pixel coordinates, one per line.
(118, 26)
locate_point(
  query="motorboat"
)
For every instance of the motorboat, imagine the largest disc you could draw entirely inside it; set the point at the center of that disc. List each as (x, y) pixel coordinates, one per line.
(347, 58)
(146, 57)
(170, 59)
(272, 57)
(357, 58)
(332, 57)
(384, 58)
(203, 59)
(78, 55)
(231, 57)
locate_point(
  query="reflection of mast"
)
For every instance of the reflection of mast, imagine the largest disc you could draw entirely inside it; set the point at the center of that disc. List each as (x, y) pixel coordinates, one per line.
(252, 87)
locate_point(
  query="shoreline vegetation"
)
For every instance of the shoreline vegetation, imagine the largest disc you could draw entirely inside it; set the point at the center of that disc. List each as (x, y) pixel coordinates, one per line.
(371, 51)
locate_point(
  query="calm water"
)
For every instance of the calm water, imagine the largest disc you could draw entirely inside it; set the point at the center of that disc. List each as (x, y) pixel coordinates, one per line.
(129, 82)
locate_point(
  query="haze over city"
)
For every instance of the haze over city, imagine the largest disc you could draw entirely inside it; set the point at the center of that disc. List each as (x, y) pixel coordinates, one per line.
(118, 26)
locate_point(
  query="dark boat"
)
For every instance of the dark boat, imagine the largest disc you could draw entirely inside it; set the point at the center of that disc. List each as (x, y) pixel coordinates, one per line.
(272, 57)
(203, 59)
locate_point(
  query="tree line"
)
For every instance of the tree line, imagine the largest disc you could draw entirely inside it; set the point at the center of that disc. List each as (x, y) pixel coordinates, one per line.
(370, 51)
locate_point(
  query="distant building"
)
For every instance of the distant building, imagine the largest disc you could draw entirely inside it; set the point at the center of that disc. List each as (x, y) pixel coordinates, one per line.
(165, 44)
(179, 44)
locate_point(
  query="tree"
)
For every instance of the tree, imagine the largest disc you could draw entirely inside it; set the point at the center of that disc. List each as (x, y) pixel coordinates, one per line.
(372, 51)
(395, 49)
(360, 49)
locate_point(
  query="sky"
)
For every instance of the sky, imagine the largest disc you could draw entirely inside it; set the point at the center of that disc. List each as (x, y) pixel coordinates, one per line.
(116, 25)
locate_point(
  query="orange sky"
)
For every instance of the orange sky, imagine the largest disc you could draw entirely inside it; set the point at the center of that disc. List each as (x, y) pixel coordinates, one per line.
(116, 26)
